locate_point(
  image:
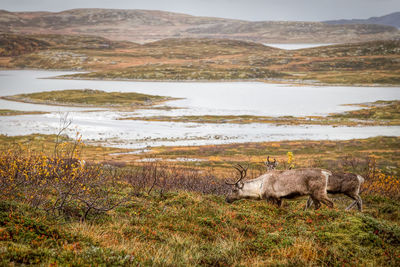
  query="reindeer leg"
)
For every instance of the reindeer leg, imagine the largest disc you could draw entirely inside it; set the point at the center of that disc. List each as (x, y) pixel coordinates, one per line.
(351, 205)
(309, 203)
(327, 202)
(279, 202)
(359, 204)
(317, 203)
(320, 196)
(357, 201)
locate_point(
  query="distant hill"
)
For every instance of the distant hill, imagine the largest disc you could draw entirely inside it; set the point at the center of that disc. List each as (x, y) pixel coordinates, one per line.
(144, 26)
(17, 44)
(392, 19)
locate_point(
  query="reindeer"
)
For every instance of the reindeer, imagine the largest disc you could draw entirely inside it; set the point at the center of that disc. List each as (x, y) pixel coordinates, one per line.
(271, 165)
(277, 185)
(339, 183)
(344, 183)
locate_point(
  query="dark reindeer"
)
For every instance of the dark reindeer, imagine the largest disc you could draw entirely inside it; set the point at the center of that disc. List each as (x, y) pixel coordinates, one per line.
(271, 165)
(339, 183)
(344, 183)
(277, 185)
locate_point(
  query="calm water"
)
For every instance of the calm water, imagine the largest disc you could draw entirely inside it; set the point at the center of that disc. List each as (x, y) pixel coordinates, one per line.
(295, 46)
(223, 98)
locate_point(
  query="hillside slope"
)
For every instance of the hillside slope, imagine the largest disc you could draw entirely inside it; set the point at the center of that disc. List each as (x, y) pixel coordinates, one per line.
(392, 19)
(149, 25)
(374, 62)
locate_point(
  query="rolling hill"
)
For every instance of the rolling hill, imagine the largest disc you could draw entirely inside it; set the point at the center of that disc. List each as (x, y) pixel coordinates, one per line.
(392, 19)
(373, 62)
(144, 26)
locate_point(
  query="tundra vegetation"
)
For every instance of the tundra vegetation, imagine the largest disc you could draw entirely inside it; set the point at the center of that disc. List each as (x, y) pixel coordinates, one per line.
(149, 25)
(117, 208)
(55, 209)
(365, 63)
(90, 98)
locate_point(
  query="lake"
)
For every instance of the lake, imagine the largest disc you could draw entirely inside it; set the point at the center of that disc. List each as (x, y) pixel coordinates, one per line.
(295, 46)
(201, 98)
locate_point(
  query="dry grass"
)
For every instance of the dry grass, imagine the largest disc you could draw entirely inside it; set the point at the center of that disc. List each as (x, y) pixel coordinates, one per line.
(367, 63)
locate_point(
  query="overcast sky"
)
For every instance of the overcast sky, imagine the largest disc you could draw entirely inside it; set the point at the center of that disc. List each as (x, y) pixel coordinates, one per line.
(307, 10)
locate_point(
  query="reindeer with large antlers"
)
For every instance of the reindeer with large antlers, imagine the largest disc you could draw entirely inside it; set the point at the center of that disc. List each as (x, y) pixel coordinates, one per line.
(277, 185)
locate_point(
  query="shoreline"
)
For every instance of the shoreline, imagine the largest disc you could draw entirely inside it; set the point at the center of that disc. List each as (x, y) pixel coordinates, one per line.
(270, 81)
(10, 98)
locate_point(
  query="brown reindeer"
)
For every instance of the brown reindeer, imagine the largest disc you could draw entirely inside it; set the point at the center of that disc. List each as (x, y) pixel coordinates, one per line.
(277, 185)
(344, 183)
(339, 183)
(271, 165)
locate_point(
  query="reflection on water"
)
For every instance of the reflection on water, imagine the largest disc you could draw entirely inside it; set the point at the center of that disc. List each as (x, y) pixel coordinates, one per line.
(215, 98)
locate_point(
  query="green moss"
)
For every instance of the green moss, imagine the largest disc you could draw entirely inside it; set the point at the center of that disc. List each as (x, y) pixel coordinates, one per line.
(89, 97)
(183, 228)
(28, 237)
(379, 110)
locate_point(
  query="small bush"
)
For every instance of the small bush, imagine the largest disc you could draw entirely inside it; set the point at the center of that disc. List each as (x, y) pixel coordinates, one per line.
(168, 177)
(59, 185)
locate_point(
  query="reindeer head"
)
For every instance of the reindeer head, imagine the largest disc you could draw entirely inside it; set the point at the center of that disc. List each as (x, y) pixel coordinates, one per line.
(271, 165)
(238, 185)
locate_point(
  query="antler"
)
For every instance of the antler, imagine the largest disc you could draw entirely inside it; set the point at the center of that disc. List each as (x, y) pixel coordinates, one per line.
(242, 171)
(270, 161)
(270, 165)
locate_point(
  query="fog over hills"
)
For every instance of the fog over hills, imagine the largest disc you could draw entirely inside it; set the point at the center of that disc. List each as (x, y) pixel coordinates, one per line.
(150, 25)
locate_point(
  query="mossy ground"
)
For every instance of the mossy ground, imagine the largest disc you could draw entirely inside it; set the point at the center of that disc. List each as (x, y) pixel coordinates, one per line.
(180, 228)
(184, 228)
(90, 98)
(29, 237)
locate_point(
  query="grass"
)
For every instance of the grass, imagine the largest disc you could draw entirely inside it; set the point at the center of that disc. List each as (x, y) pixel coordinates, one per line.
(180, 228)
(29, 237)
(306, 153)
(90, 98)
(45, 143)
(377, 113)
(202, 72)
(222, 157)
(184, 228)
(379, 110)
